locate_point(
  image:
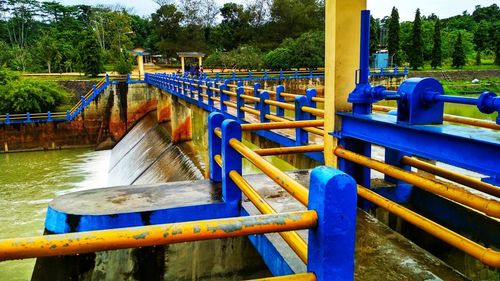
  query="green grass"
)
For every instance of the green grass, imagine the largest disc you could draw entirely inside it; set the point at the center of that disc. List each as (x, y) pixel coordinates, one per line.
(60, 77)
(466, 87)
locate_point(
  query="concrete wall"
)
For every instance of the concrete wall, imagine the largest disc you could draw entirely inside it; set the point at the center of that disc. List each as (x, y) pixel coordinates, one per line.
(107, 118)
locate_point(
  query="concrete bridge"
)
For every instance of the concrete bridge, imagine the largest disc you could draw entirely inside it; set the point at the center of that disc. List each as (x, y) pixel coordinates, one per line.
(320, 213)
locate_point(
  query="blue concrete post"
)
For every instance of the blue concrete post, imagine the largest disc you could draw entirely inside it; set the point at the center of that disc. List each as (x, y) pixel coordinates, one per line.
(7, 118)
(107, 77)
(249, 75)
(49, 116)
(191, 88)
(296, 73)
(231, 161)
(200, 91)
(83, 102)
(310, 73)
(332, 194)
(223, 96)
(281, 74)
(280, 89)
(311, 93)
(301, 135)
(402, 192)
(217, 75)
(68, 116)
(28, 117)
(233, 75)
(128, 78)
(256, 87)
(214, 145)
(240, 102)
(209, 94)
(264, 107)
(265, 75)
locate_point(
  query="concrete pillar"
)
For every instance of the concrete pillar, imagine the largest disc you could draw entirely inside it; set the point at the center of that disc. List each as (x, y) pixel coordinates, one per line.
(181, 121)
(342, 29)
(183, 66)
(140, 63)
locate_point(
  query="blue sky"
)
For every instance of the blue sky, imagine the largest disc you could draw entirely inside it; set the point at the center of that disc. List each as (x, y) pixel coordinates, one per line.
(379, 8)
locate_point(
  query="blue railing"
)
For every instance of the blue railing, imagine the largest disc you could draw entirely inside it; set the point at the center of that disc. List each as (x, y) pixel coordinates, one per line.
(69, 115)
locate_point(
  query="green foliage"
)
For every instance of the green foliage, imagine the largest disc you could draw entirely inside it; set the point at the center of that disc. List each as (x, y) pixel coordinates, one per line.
(279, 58)
(416, 53)
(91, 59)
(437, 54)
(125, 63)
(374, 34)
(20, 96)
(458, 53)
(305, 51)
(393, 43)
(7, 75)
(481, 39)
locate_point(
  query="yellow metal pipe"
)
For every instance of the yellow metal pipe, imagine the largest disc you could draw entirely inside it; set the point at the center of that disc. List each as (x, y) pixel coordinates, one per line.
(290, 150)
(451, 118)
(229, 93)
(280, 104)
(231, 104)
(485, 255)
(295, 277)
(293, 239)
(163, 234)
(282, 125)
(218, 160)
(288, 95)
(295, 189)
(314, 111)
(316, 99)
(218, 132)
(462, 179)
(315, 131)
(252, 98)
(488, 206)
(250, 110)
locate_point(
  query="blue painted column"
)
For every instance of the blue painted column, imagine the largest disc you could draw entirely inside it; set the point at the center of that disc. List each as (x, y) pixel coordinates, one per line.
(200, 91)
(191, 88)
(240, 102)
(280, 111)
(28, 117)
(332, 194)
(311, 93)
(301, 135)
(231, 161)
(68, 116)
(214, 145)
(210, 94)
(49, 116)
(402, 192)
(223, 96)
(7, 118)
(264, 107)
(256, 87)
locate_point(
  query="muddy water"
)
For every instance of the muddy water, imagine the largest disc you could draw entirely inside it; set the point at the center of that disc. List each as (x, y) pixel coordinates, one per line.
(29, 181)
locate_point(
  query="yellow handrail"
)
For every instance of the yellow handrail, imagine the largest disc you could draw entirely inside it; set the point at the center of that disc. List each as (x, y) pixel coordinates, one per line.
(163, 234)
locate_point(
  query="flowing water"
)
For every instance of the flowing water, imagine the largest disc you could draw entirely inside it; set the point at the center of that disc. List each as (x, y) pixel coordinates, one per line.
(29, 180)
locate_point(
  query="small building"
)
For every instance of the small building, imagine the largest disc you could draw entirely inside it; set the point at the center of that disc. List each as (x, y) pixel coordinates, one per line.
(143, 55)
(184, 55)
(381, 59)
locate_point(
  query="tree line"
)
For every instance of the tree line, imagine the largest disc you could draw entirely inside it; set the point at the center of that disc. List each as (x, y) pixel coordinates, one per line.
(456, 41)
(276, 34)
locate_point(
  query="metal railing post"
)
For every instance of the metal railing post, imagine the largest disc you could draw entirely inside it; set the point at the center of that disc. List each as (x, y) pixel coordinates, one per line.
(28, 117)
(332, 194)
(280, 89)
(301, 135)
(214, 145)
(240, 102)
(209, 94)
(191, 88)
(68, 115)
(264, 107)
(231, 161)
(49, 116)
(200, 91)
(223, 96)
(310, 94)
(256, 87)
(7, 118)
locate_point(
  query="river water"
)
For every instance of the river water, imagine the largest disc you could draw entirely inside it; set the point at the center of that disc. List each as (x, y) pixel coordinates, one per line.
(29, 180)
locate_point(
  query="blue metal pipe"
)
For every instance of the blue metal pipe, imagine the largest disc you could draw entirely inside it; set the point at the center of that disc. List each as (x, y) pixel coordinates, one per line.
(364, 58)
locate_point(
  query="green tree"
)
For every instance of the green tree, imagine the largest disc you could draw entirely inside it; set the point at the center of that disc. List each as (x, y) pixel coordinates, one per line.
(437, 54)
(458, 57)
(7, 75)
(91, 59)
(278, 58)
(20, 96)
(481, 39)
(416, 53)
(125, 63)
(374, 34)
(393, 44)
(48, 49)
(167, 29)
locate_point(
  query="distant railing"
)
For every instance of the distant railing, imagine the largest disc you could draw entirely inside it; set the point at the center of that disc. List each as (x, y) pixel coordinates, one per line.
(69, 115)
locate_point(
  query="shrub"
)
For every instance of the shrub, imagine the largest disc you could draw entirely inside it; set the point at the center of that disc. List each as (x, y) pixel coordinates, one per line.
(278, 58)
(21, 96)
(125, 64)
(7, 75)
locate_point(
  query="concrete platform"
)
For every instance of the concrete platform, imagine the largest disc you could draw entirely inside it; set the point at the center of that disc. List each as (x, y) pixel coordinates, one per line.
(381, 254)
